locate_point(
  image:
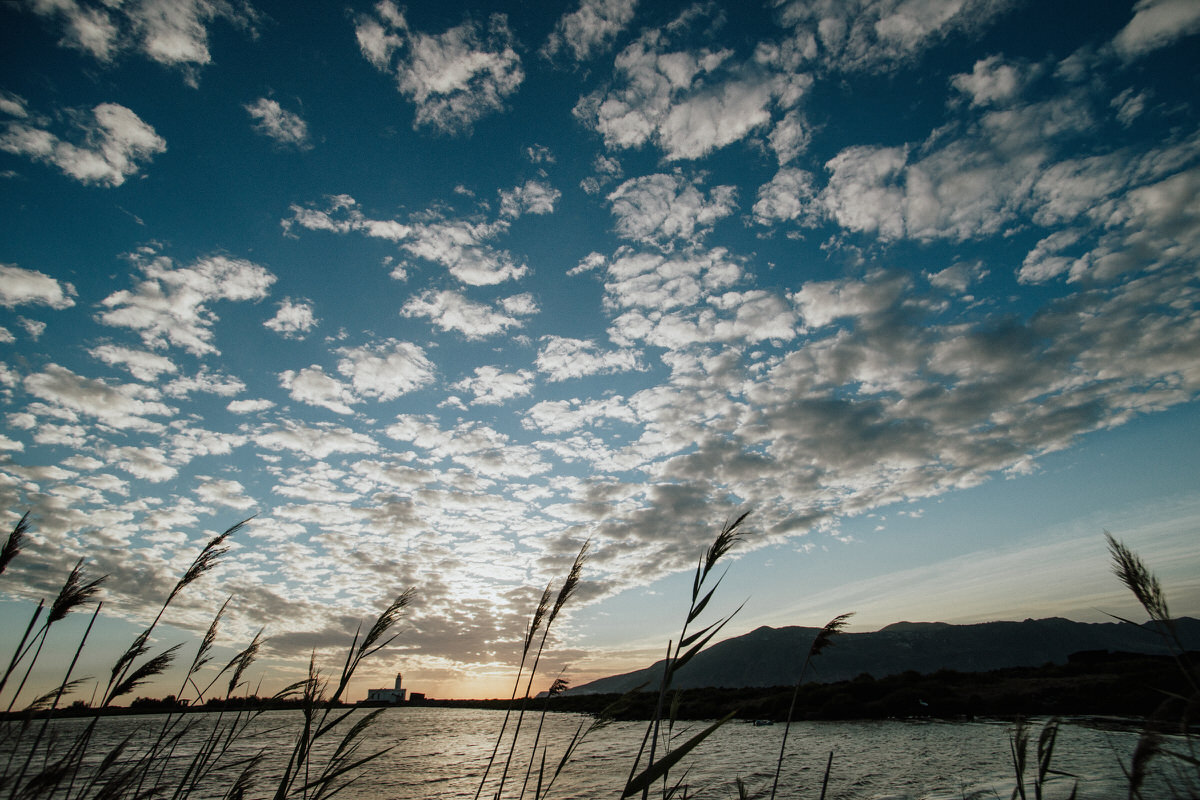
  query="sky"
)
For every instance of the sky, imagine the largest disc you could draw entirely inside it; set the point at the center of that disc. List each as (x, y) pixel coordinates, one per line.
(435, 293)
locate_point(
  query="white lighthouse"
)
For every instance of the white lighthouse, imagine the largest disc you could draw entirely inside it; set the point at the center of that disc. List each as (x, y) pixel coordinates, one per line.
(396, 694)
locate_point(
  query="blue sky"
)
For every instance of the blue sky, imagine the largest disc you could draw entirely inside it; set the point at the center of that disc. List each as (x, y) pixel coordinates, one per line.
(437, 292)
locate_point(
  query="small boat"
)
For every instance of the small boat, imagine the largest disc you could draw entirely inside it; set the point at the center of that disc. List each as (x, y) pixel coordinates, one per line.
(758, 723)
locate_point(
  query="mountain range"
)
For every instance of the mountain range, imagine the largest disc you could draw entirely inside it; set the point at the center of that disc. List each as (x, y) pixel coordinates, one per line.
(774, 656)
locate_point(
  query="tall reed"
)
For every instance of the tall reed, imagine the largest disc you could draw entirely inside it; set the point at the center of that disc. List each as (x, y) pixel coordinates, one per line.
(37, 766)
(702, 592)
(569, 586)
(1183, 758)
(823, 639)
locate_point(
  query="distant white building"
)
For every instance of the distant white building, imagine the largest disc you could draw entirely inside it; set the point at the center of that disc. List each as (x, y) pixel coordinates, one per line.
(394, 695)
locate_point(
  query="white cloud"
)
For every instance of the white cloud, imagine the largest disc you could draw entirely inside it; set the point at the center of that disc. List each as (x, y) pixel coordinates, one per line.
(294, 319)
(991, 82)
(592, 261)
(451, 311)
(589, 29)
(386, 370)
(689, 102)
(171, 305)
(113, 145)
(562, 358)
(556, 417)
(171, 32)
(790, 137)
(249, 406)
(223, 492)
(862, 194)
(661, 209)
(29, 287)
(142, 365)
(652, 281)
(207, 381)
(790, 196)
(271, 120)
(120, 406)
(479, 448)
(33, 327)
(147, 463)
(1155, 24)
(315, 441)
(877, 34)
(822, 302)
(311, 385)
(453, 78)
(1130, 104)
(460, 245)
(491, 386)
(533, 197)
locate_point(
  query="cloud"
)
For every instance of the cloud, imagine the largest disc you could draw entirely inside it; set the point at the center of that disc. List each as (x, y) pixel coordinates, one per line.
(319, 441)
(991, 82)
(790, 196)
(460, 245)
(589, 29)
(110, 145)
(284, 127)
(207, 381)
(223, 492)
(562, 358)
(146, 463)
(661, 210)
(479, 448)
(534, 197)
(294, 319)
(170, 306)
(1155, 24)
(386, 370)
(689, 102)
(121, 406)
(822, 302)
(876, 35)
(173, 33)
(790, 137)
(491, 386)
(29, 287)
(454, 78)
(249, 406)
(451, 311)
(652, 281)
(556, 417)
(142, 365)
(311, 385)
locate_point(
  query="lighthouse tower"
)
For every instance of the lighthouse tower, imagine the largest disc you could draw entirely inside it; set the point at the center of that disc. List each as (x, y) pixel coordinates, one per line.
(399, 688)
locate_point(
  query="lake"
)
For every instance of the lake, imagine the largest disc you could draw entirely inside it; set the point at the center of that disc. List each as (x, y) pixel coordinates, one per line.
(440, 753)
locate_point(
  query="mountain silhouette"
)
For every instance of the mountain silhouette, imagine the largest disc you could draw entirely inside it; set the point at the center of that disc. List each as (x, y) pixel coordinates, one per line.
(774, 656)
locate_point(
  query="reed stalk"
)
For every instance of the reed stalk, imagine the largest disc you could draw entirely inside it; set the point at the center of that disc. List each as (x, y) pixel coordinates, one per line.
(702, 593)
(823, 639)
(569, 586)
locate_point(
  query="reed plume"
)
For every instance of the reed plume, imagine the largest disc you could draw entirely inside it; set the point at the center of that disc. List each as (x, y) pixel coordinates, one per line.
(730, 534)
(14, 542)
(565, 592)
(822, 640)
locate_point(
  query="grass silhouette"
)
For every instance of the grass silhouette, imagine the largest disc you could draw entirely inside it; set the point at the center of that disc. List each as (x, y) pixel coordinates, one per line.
(189, 754)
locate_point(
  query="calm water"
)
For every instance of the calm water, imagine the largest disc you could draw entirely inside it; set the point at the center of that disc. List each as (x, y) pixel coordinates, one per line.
(441, 753)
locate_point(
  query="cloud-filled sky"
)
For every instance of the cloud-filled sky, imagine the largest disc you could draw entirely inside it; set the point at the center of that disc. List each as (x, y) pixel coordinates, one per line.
(437, 292)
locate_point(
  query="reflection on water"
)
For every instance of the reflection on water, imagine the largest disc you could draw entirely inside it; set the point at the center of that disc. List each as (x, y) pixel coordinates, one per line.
(437, 754)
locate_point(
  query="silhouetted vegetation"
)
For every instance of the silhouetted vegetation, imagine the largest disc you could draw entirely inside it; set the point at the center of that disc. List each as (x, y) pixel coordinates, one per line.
(40, 765)
(326, 754)
(1108, 684)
